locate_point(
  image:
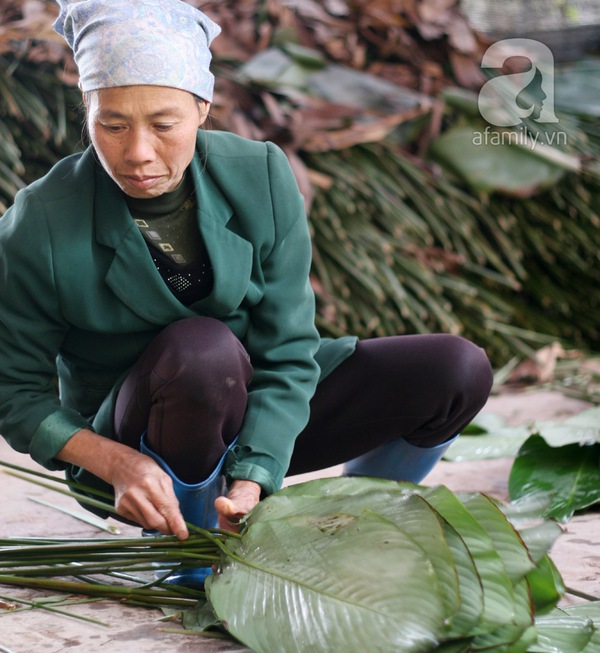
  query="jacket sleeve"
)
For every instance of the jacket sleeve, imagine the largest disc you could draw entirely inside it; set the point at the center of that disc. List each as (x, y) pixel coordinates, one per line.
(282, 340)
(31, 331)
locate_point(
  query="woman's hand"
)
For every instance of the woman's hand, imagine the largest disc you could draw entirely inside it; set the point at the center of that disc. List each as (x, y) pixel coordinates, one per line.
(143, 491)
(241, 498)
(144, 494)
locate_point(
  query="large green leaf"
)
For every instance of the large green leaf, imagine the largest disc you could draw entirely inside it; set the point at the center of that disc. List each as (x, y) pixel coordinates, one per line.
(518, 564)
(443, 545)
(353, 494)
(568, 475)
(501, 443)
(421, 522)
(400, 505)
(588, 422)
(325, 488)
(337, 582)
(359, 564)
(590, 611)
(494, 161)
(526, 515)
(468, 618)
(489, 436)
(560, 632)
(528, 639)
(499, 600)
(546, 585)
(506, 637)
(509, 544)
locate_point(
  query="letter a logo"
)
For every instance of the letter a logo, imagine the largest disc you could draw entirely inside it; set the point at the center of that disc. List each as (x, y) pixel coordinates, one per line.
(506, 100)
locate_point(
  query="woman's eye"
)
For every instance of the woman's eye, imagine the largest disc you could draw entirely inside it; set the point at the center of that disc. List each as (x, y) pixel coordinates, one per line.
(113, 129)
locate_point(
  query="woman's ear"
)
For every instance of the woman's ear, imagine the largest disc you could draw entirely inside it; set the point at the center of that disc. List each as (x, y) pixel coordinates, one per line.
(203, 109)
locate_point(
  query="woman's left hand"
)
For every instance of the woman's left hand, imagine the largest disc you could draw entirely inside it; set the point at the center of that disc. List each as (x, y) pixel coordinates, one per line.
(241, 498)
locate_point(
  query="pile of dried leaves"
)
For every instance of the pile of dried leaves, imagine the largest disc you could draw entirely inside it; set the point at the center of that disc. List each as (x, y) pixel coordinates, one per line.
(423, 45)
(354, 91)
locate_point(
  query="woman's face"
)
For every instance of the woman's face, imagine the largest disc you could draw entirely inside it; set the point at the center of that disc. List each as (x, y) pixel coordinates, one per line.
(145, 136)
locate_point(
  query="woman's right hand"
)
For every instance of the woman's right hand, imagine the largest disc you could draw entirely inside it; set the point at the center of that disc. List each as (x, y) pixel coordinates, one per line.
(143, 491)
(144, 494)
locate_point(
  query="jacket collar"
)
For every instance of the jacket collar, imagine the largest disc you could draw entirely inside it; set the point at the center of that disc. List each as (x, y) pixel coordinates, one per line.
(132, 275)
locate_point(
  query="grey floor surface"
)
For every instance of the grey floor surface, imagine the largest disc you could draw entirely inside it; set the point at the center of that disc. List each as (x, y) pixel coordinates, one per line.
(138, 630)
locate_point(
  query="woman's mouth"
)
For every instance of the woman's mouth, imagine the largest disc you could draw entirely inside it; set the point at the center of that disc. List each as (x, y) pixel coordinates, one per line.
(142, 182)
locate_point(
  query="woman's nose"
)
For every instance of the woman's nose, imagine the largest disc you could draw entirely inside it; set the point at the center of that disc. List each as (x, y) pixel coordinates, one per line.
(139, 147)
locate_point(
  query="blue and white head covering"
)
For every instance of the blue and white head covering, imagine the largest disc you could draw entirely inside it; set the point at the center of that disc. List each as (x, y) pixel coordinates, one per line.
(131, 42)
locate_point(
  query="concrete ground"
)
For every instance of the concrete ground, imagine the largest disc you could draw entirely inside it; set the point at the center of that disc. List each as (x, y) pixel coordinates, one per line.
(131, 630)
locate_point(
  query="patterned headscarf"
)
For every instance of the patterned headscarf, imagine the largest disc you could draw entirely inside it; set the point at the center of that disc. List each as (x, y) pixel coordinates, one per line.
(130, 42)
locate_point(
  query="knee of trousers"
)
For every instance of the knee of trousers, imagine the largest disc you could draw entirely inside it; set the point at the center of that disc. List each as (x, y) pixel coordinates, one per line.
(467, 371)
(201, 353)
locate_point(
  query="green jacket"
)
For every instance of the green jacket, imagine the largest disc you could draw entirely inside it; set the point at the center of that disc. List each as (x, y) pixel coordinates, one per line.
(80, 297)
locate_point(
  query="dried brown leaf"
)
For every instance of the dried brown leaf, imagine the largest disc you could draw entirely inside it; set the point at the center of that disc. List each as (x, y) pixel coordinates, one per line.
(7, 605)
(541, 368)
(368, 132)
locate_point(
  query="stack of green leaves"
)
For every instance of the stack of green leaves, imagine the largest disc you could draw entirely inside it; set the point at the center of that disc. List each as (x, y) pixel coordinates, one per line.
(356, 564)
(348, 564)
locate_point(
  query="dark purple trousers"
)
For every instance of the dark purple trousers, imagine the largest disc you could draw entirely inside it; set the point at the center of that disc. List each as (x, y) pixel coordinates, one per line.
(188, 390)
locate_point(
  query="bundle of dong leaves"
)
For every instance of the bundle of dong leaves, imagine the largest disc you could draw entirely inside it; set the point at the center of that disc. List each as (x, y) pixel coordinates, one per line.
(358, 564)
